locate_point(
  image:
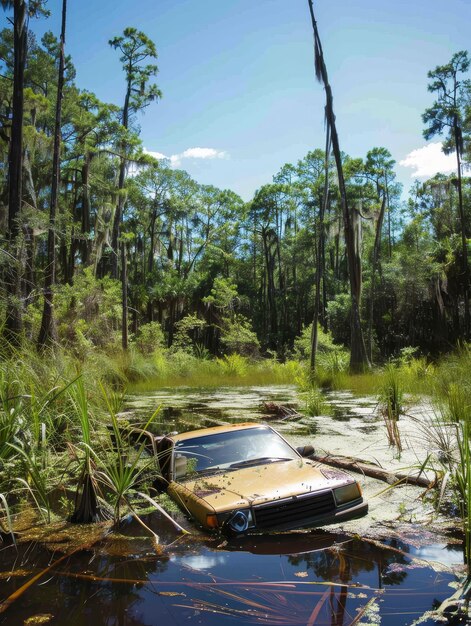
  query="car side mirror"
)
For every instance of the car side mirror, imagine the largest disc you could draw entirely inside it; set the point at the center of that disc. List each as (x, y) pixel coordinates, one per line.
(306, 451)
(181, 465)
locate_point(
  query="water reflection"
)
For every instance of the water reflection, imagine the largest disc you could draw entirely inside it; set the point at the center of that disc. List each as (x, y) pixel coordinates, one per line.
(204, 561)
(312, 577)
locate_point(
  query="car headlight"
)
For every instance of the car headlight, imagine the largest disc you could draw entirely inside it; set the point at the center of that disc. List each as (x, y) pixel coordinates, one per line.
(347, 493)
(240, 521)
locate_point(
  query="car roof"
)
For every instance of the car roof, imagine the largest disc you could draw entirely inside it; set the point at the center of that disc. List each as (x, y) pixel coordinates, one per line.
(201, 432)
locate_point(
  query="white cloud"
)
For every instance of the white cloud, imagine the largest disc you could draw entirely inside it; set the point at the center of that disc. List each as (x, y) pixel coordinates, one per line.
(190, 153)
(429, 160)
(156, 155)
(202, 153)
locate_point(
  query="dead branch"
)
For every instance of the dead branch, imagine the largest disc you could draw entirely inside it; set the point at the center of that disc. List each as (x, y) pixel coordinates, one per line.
(375, 471)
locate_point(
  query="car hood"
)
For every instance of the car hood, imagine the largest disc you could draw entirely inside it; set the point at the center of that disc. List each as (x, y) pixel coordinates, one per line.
(264, 483)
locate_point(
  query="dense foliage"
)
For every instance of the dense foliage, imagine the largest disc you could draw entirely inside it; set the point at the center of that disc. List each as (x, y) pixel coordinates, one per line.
(139, 243)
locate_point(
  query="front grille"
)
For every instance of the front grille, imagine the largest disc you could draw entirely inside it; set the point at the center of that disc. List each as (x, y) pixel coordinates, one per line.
(294, 509)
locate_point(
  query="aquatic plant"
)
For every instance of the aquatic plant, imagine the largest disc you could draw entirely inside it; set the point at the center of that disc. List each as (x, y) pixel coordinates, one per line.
(457, 412)
(86, 507)
(463, 481)
(390, 400)
(449, 433)
(315, 403)
(36, 481)
(123, 470)
(456, 407)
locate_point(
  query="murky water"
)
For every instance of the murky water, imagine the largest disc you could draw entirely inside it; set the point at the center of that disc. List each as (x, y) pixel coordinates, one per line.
(297, 578)
(393, 575)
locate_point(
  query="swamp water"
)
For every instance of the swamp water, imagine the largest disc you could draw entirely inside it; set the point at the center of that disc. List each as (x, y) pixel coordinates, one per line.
(390, 567)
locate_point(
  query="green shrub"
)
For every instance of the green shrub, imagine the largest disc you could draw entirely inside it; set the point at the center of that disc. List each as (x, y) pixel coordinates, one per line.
(233, 365)
(88, 312)
(188, 333)
(325, 344)
(149, 338)
(338, 313)
(238, 337)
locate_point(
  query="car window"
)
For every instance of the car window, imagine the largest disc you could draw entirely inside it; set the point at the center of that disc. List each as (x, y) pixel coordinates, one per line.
(223, 450)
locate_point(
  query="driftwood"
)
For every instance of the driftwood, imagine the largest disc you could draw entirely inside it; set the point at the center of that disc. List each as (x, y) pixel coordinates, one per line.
(279, 411)
(375, 471)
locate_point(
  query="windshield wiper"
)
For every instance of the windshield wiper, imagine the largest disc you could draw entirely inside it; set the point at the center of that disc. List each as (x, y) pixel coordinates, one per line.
(210, 470)
(259, 461)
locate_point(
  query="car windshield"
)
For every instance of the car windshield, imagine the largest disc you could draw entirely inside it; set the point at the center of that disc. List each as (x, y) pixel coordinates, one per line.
(230, 450)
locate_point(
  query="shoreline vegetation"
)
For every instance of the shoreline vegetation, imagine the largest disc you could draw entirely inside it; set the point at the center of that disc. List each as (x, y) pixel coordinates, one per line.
(56, 409)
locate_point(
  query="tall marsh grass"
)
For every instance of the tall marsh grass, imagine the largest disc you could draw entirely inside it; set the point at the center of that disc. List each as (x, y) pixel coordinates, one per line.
(452, 431)
(315, 404)
(182, 369)
(390, 401)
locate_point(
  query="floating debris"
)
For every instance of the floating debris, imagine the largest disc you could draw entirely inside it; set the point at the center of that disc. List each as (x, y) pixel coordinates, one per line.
(279, 411)
(41, 618)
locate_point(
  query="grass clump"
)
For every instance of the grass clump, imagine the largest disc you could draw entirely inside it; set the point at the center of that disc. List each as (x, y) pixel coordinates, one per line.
(390, 400)
(313, 396)
(315, 403)
(54, 436)
(451, 434)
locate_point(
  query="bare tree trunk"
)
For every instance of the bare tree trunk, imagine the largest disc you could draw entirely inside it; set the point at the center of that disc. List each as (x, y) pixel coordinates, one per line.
(120, 204)
(374, 263)
(85, 217)
(13, 321)
(323, 316)
(464, 246)
(320, 262)
(358, 356)
(124, 288)
(48, 331)
(117, 220)
(272, 314)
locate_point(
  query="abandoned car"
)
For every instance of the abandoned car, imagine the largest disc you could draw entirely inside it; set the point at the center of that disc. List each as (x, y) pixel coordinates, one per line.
(244, 477)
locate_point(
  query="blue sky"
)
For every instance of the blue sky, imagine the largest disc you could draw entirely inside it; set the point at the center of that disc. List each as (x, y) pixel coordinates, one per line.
(238, 81)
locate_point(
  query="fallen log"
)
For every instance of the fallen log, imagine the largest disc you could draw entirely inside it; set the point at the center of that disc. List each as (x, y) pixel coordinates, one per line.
(376, 471)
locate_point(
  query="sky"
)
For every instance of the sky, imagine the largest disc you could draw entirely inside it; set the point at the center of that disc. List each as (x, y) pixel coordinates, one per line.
(240, 98)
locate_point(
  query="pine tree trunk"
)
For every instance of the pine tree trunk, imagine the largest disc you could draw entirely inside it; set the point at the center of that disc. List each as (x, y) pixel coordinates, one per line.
(48, 331)
(374, 263)
(85, 217)
(358, 356)
(124, 288)
(464, 243)
(13, 322)
(121, 179)
(320, 262)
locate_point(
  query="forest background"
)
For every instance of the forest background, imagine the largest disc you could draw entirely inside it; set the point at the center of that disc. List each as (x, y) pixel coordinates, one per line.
(107, 248)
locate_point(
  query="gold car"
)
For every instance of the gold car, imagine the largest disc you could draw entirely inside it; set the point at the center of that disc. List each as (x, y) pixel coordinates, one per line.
(244, 477)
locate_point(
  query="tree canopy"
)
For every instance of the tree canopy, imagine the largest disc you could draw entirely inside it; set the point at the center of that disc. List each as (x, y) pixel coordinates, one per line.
(198, 261)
